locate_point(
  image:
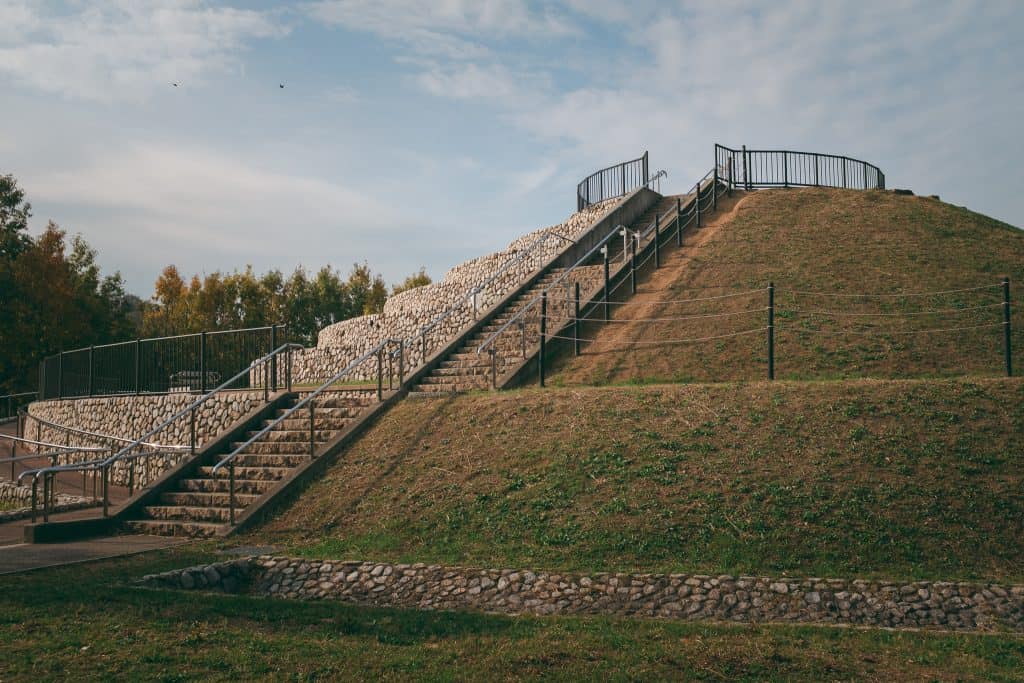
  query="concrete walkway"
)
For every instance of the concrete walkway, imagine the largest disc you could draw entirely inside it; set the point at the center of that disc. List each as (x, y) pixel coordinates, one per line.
(24, 557)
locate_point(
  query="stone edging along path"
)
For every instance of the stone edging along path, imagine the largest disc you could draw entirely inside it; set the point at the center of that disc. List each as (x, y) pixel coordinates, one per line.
(751, 599)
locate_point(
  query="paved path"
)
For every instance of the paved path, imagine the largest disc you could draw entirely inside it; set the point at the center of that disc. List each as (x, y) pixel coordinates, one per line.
(25, 557)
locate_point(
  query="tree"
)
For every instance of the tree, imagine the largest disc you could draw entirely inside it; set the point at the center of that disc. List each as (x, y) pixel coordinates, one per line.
(418, 279)
(14, 215)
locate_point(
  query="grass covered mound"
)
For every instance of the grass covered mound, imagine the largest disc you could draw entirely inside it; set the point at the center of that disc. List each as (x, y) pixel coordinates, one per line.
(821, 241)
(88, 621)
(902, 479)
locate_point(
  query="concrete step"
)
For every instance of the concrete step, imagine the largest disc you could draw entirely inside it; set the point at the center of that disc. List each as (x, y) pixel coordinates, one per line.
(195, 499)
(220, 485)
(270, 459)
(190, 513)
(160, 527)
(335, 424)
(249, 473)
(291, 435)
(277, 448)
(321, 411)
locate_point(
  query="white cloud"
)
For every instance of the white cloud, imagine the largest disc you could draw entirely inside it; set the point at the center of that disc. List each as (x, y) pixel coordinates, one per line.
(125, 49)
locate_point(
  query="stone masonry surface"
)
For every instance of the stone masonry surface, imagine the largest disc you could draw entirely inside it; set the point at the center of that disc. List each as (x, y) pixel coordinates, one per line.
(754, 599)
(405, 314)
(22, 496)
(127, 417)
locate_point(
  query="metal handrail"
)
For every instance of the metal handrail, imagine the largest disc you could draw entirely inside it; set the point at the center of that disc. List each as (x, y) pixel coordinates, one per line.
(125, 453)
(696, 190)
(98, 435)
(288, 413)
(749, 162)
(583, 201)
(11, 437)
(229, 459)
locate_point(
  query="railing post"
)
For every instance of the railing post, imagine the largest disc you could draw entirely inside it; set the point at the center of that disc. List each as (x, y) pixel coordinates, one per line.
(192, 429)
(543, 333)
(714, 190)
(231, 491)
(202, 362)
(288, 369)
(35, 497)
(312, 418)
(423, 345)
(844, 172)
(696, 204)
(785, 169)
(494, 367)
(1006, 327)
(380, 375)
(646, 172)
(401, 362)
(679, 222)
(865, 175)
(273, 359)
(92, 364)
(816, 159)
(106, 490)
(632, 265)
(522, 334)
(623, 167)
(771, 330)
(46, 497)
(657, 240)
(607, 293)
(138, 362)
(746, 169)
(732, 173)
(576, 322)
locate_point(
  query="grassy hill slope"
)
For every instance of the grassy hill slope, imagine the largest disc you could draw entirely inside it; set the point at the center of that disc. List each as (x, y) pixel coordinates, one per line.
(880, 478)
(829, 241)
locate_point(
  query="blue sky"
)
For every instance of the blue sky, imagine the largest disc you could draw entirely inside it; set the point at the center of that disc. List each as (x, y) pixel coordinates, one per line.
(416, 134)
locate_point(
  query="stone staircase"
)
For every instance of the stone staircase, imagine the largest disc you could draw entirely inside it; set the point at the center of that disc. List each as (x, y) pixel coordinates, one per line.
(197, 504)
(466, 370)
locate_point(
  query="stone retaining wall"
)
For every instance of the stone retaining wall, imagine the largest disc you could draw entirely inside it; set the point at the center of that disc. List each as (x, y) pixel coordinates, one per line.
(22, 497)
(919, 604)
(127, 417)
(406, 313)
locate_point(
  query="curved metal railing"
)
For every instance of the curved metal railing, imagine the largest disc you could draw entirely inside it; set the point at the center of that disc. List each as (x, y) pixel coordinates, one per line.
(269, 365)
(611, 182)
(761, 168)
(99, 436)
(10, 404)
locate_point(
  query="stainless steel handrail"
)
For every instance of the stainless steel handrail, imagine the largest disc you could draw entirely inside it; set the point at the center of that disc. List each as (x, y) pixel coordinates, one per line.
(125, 453)
(108, 437)
(11, 437)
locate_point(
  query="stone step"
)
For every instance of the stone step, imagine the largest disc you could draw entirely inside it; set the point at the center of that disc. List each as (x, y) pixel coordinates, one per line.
(220, 485)
(160, 527)
(190, 513)
(246, 473)
(328, 400)
(197, 499)
(322, 411)
(277, 448)
(270, 459)
(290, 435)
(335, 424)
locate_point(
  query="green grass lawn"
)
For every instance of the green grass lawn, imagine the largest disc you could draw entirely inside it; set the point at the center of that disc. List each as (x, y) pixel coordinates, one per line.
(89, 622)
(887, 479)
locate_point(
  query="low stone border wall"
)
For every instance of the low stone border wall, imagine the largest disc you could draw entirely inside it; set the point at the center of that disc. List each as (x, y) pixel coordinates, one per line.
(919, 604)
(22, 496)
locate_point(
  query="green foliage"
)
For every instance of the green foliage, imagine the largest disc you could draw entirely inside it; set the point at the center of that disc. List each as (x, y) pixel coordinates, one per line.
(418, 279)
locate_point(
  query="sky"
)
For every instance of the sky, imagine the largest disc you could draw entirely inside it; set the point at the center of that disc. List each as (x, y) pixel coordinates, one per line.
(420, 134)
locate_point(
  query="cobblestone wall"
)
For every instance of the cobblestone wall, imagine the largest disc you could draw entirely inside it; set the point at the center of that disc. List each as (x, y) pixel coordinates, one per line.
(406, 313)
(919, 604)
(128, 417)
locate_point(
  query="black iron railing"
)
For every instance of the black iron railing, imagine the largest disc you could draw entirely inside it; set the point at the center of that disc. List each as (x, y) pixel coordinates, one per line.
(749, 169)
(187, 363)
(10, 404)
(612, 182)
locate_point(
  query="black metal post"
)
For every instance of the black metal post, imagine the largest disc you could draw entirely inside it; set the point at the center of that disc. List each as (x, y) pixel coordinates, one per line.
(607, 294)
(576, 322)
(746, 169)
(288, 369)
(494, 367)
(401, 362)
(138, 344)
(785, 169)
(679, 222)
(35, 497)
(1006, 327)
(380, 375)
(714, 191)
(106, 490)
(91, 366)
(771, 330)
(844, 171)
(231, 491)
(273, 359)
(732, 173)
(816, 158)
(657, 240)
(202, 362)
(543, 334)
(312, 417)
(696, 205)
(192, 428)
(46, 497)
(632, 265)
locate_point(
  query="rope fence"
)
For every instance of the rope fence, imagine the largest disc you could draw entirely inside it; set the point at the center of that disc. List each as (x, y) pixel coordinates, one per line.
(565, 325)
